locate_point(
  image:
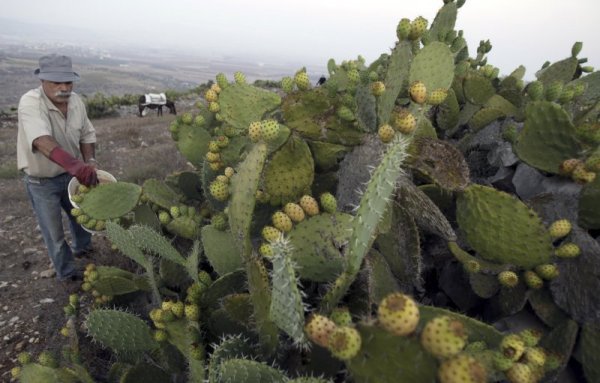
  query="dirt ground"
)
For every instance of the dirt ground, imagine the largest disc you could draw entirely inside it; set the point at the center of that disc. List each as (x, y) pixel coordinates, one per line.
(31, 307)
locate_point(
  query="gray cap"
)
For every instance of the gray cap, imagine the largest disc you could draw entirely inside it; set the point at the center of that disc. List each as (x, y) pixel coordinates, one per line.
(56, 68)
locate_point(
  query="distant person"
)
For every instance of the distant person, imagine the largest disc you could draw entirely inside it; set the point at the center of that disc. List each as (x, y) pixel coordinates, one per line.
(55, 142)
(321, 81)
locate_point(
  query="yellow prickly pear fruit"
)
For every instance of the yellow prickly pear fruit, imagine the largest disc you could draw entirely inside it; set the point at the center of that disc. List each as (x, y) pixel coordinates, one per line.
(344, 342)
(403, 29)
(405, 122)
(462, 368)
(386, 133)
(254, 131)
(192, 312)
(318, 328)
(216, 88)
(398, 314)
(547, 271)
(270, 233)
(417, 27)
(282, 221)
(353, 76)
(519, 373)
(377, 88)
(535, 356)
(229, 172)
(309, 205)
(444, 336)
(214, 107)
(269, 130)
(567, 250)
(15, 372)
(294, 211)
(266, 250)
(508, 278)
(418, 92)
(533, 280)
(512, 347)
(581, 175)
(161, 336)
(211, 96)
(178, 309)
(213, 157)
(437, 96)
(219, 190)
(560, 228)
(568, 166)
(302, 81)
(222, 178)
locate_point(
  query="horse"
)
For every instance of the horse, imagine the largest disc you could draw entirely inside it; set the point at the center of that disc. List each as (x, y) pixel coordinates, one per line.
(155, 101)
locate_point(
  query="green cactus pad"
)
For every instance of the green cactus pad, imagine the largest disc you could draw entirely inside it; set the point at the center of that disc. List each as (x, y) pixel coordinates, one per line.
(111, 200)
(143, 215)
(314, 241)
(289, 173)
(123, 239)
(502, 104)
(590, 359)
(242, 104)
(244, 184)
(444, 21)
(309, 379)
(441, 162)
(120, 331)
(231, 283)
(230, 155)
(547, 138)
(36, 373)
(589, 205)
(114, 285)
(161, 194)
(221, 250)
(501, 228)
(396, 79)
(190, 184)
(465, 258)
(478, 89)
(448, 112)
(249, 371)
(561, 339)
(543, 305)
(380, 279)
(238, 307)
(184, 227)
(151, 241)
(433, 66)
(192, 143)
(562, 71)
(366, 112)
(229, 348)
(385, 358)
(311, 114)
(484, 117)
(484, 285)
(287, 310)
(144, 372)
(326, 155)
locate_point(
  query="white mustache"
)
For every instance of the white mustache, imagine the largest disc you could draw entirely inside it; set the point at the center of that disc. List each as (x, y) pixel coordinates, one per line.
(62, 94)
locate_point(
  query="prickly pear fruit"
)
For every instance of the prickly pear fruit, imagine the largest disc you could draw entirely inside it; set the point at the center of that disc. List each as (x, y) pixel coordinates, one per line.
(568, 166)
(398, 313)
(353, 76)
(24, 358)
(444, 336)
(294, 211)
(229, 172)
(462, 368)
(287, 84)
(560, 228)
(192, 312)
(568, 250)
(417, 27)
(418, 92)
(212, 157)
(341, 316)
(386, 133)
(270, 233)
(222, 80)
(547, 271)
(533, 280)
(512, 346)
(530, 337)
(328, 203)
(282, 221)
(269, 130)
(403, 29)
(254, 131)
(210, 95)
(178, 309)
(344, 342)
(508, 278)
(553, 91)
(302, 81)
(266, 250)
(219, 190)
(318, 328)
(161, 336)
(535, 90)
(437, 96)
(535, 356)
(239, 78)
(309, 205)
(214, 107)
(501, 362)
(345, 113)
(377, 88)
(164, 217)
(519, 373)
(404, 121)
(46, 358)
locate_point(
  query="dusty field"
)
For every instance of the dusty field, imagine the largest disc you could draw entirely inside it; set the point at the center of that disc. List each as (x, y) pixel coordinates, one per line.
(31, 307)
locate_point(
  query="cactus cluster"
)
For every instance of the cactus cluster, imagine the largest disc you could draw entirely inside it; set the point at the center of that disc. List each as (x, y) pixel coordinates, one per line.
(323, 224)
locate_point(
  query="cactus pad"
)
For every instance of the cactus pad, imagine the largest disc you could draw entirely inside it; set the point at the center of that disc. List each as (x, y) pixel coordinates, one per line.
(249, 371)
(589, 205)
(193, 143)
(111, 200)
(221, 250)
(242, 104)
(434, 66)
(478, 89)
(160, 193)
(120, 331)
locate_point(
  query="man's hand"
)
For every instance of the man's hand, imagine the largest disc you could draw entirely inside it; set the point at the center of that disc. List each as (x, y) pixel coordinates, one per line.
(85, 174)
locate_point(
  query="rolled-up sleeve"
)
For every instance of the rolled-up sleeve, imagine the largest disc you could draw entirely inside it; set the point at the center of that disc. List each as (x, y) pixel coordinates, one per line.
(35, 123)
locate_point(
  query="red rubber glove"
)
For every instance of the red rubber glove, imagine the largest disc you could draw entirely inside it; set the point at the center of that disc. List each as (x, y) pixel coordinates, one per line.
(85, 174)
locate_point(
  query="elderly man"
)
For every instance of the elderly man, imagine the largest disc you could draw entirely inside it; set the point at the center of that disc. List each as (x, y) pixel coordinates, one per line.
(55, 142)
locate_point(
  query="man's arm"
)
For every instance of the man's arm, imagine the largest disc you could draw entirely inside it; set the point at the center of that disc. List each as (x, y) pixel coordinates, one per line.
(84, 173)
(45, 145)
(88, 151)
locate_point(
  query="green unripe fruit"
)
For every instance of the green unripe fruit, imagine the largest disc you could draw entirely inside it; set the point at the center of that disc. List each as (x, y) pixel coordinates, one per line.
(75, 212)
(345, 113)
(417, 27)
(239, 78)
(547, 271)
(512, 347)
(219, 190)
(269, 130)
(532, 280)
(386, 133)
(353, 76)
(214, 107)
(508, 278)
(86, 286)
(341, 316)
(164, 217)
(100, 225)
(46, 358)
(192, 312)
(553, 91)
(83, 189)
(282, 221)
(535, 90)
(287, 84)
(222, 80)
(222, 141)
(270, 233)
(377, 88)
(302, 81)
(77, 198)
(344, 343)
(254, 131)
(398, 313)
(174, 210)
(476, 347)
(568, 250)
(219, 221)
(403, 29)
(373, 76)
(266, 250)
(187, 118)
(328, 203)
(69, 310)
(161, 336)
(530, 337)
(74, 300)
(91, 224)
(82, 219)
(501, 362)
(24, 358)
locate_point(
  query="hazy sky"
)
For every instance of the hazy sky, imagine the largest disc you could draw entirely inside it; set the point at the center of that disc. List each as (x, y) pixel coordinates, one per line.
(527, 32)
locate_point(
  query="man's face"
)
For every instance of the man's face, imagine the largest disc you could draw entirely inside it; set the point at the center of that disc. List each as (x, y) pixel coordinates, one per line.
(57, 92)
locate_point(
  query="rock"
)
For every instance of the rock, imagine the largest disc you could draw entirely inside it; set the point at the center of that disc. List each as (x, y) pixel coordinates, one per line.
(502, 155)
(48, 273)
(46, 300)
(30, 250)
(19, 346)
(9, 218)
(527, 181)
(13, 319)
(3, 284)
